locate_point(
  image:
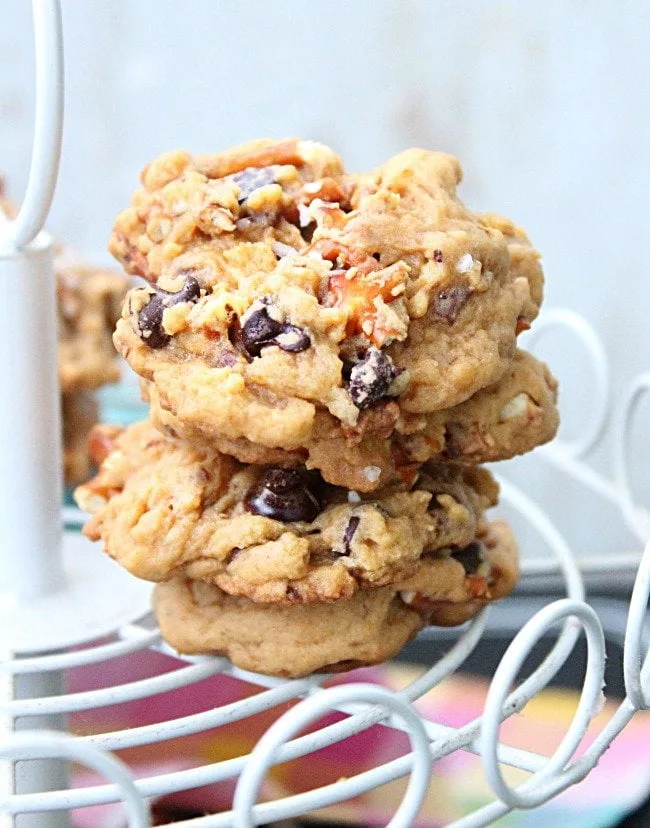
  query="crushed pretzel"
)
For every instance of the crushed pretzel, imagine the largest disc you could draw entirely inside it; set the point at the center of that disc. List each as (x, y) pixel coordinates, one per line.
(358, 293)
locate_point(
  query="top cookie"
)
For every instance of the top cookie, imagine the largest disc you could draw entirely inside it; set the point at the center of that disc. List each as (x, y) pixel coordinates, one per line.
(284, 288)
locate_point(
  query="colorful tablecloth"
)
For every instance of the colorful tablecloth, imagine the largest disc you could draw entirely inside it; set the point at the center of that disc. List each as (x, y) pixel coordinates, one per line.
(617, 785)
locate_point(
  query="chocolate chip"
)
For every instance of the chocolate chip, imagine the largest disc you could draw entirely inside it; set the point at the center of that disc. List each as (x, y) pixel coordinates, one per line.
(437, 256)
(448, 302)
(150, 317)
(287, 495)
(371, 378)
(251, 179)
(308, 231)
(350, 529)
(261, 330)
(236, 339)
(258, 330)
(469, 556)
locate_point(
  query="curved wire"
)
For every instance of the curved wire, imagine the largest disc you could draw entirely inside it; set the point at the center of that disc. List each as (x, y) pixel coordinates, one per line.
(48, 126)
(593, 425)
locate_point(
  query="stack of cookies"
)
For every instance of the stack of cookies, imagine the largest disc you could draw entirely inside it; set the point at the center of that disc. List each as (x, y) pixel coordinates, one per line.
(89, 302)
(328, 360)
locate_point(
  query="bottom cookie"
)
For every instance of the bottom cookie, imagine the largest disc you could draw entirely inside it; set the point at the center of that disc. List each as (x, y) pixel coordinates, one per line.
(295, 640)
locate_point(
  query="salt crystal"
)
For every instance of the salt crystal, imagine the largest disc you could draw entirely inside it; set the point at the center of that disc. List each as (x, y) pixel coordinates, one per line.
(280, 249)
(354, 497)
(372, 473)
(465, 263)
(304, 215)
(516, 407)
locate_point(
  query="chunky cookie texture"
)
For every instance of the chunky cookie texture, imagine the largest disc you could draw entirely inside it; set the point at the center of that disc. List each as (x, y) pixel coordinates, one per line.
(285, 291)
(510, 417)
(164, 508)
(299, 639)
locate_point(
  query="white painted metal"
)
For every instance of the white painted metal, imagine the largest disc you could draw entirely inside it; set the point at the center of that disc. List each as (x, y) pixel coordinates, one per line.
(48, 124)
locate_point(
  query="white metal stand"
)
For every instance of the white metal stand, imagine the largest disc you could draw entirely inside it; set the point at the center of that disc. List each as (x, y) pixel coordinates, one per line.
(58, 594)
(54, 591)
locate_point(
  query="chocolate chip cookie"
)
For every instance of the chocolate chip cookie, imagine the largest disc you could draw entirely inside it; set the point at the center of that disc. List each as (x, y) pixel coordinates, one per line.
(511, 417)
(285, 290)
(299, 639)
(164, 508)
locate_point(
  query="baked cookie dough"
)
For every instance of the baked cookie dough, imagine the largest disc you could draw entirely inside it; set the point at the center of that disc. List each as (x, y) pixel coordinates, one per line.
(299, 639)
(79, 414)
(89, 302)
(511, 417)
(284, 289)
(164, 508)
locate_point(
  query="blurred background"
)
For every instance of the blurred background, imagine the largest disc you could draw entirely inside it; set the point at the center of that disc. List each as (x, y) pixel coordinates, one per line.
(544, 102)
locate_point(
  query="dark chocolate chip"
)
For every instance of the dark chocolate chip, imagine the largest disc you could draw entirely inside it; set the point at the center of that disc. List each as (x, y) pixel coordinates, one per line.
(150, 317)
(350, 529)
(437, 256)
(261, 330)
(288, 495)
(251, 179)
(470, 556)
(449, 302)
(307, 232)
(258, 330)
(236, 339)
(371, 378)
(292, 593)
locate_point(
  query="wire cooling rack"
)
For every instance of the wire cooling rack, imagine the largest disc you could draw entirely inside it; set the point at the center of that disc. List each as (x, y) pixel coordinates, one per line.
(45, 606)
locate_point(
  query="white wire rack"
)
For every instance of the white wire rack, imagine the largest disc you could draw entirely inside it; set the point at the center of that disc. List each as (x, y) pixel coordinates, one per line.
(35, 793)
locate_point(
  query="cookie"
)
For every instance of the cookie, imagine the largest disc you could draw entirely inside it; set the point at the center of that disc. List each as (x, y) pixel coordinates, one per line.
(88, 304)
(79, 414)
(285, 640)
(251, 193)
(511, 417)
(299, 639)
(359, 298)
(164, 508)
